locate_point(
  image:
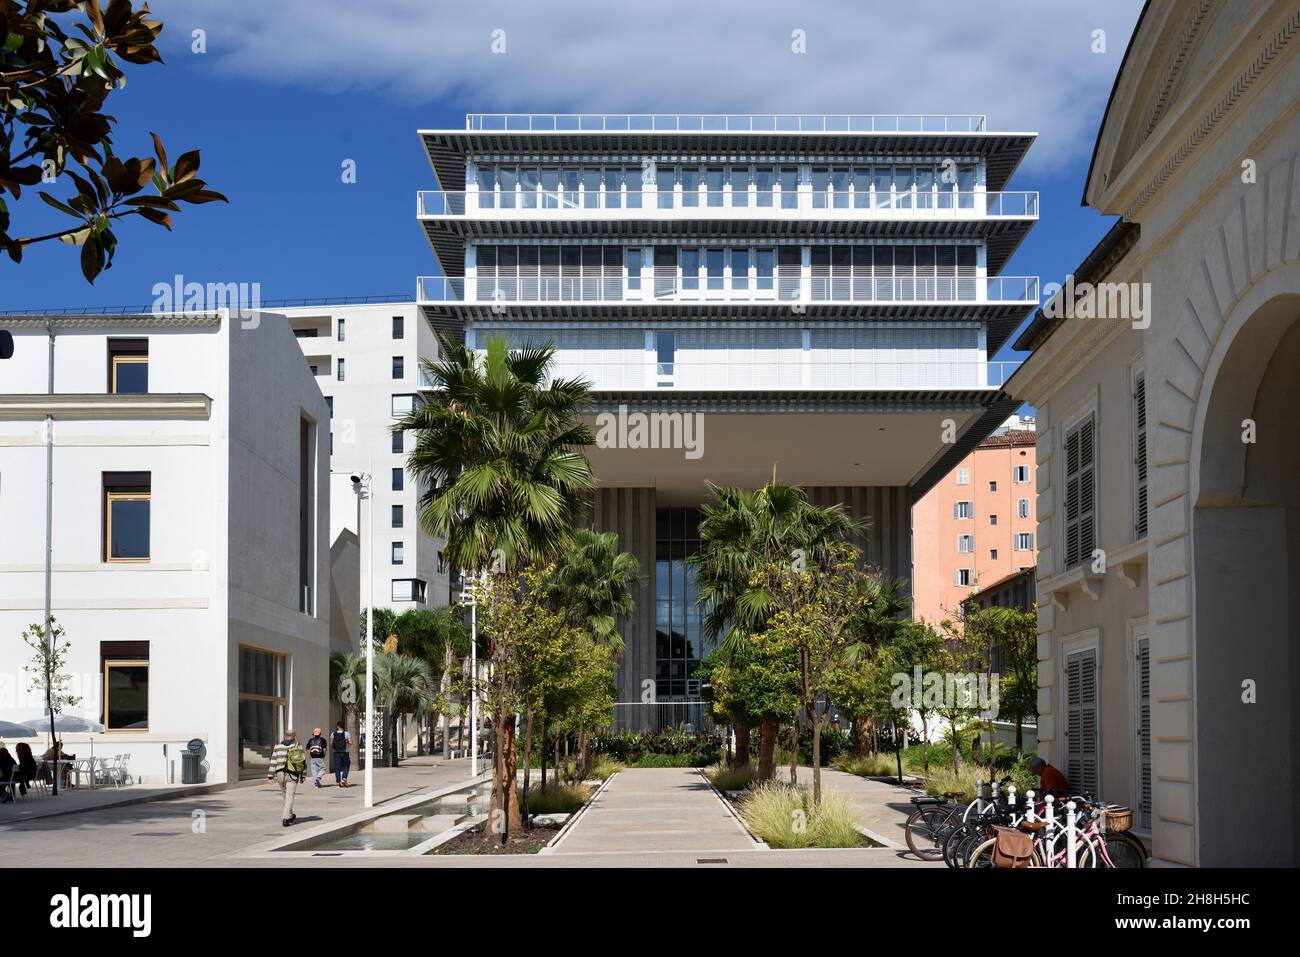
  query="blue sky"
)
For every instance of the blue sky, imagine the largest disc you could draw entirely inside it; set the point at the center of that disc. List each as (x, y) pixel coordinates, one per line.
(286, 92)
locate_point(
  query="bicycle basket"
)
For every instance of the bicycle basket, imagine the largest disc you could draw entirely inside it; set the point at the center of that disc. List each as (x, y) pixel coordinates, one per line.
(1117, 817)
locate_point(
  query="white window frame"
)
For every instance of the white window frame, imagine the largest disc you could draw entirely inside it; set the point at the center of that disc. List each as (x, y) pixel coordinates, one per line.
(1023, 508)
(956, 578)
(1025, 537)
(966, 544)
(969, 509)
(1016, 471)
(963, 476)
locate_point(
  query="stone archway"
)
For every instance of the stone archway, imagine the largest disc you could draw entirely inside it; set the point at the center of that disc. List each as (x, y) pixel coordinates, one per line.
(1246, 569)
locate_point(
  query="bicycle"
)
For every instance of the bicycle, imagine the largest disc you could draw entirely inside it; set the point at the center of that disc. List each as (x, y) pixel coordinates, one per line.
(928, 827)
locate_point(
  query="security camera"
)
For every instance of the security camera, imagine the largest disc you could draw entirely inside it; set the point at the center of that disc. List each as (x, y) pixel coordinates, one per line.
(356, 478)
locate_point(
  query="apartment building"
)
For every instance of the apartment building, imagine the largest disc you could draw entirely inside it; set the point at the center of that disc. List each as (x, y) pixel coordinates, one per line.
(976, 526)
(1168, 501)
(189, 533)
(365, 357)
(814, 297)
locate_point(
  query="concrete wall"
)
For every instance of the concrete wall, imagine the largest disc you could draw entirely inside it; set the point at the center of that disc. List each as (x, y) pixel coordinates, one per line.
(271, 394)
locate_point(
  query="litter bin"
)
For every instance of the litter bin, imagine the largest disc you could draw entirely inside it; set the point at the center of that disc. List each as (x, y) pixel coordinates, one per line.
(192, 770)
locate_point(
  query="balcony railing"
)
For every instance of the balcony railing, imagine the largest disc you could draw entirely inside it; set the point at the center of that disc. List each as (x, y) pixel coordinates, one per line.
(729, 122)
(500, 291)
(704, 204)
(781, 374)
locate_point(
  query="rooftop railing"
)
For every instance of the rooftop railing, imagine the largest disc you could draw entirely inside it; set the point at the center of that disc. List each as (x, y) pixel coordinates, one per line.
(897, 204)
(499, 291)
(728, 122)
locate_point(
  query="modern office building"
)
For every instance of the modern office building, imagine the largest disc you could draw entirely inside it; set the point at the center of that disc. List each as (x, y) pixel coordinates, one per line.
(190, 558)
(976, 526)
(366, 359)
(811, 296)
(1169, 471)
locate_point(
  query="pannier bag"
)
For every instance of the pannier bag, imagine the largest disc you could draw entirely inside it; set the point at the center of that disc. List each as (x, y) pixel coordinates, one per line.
(1013, 848)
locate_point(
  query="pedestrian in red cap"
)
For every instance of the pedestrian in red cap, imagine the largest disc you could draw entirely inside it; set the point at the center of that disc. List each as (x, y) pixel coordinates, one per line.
(316, 746)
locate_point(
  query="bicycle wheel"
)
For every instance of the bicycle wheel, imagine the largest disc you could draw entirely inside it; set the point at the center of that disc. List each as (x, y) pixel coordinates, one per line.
(926, 830)
(1084, 856)
(981, 857)
(953, 842)
(1125, 850)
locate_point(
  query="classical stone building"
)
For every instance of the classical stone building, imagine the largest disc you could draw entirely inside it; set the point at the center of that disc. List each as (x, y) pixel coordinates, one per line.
(1169, 470)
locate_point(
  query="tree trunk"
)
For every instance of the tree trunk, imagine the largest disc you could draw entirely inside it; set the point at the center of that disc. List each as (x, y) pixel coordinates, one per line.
(584, 755)
(816, 756)
(528, 766)
(925, 742)
(1020, 738)
(742, 746)
(794, 749)
(545, 724)
(352, 721)
(767, 750)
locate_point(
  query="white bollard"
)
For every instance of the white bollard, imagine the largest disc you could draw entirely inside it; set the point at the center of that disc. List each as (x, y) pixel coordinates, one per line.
(1050, 832)
(1011, 798)
(1070, 850)
(1029, 803)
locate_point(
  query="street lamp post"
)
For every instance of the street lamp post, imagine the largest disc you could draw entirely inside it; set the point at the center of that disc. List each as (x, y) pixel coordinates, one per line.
(361, 482)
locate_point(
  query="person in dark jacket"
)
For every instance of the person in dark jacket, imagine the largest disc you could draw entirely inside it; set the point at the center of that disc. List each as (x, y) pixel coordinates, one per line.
(27, 769)
(7, 766)
(340, 739)
(316, 748)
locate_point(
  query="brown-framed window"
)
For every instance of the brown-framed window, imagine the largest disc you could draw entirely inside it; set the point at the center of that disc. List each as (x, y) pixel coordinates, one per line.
(124, 668)
(263, 704)
(128, 366)
(127, 505)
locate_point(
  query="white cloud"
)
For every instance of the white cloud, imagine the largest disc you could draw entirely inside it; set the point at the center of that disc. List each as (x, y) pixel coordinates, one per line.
(1029, 65)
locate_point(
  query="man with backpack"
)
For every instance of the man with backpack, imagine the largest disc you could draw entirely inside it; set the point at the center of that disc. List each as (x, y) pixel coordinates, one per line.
(289, 766)
(340, 740)
(316, 746)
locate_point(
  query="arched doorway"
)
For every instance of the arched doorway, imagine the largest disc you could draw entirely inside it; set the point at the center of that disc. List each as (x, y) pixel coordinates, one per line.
(1246, 560)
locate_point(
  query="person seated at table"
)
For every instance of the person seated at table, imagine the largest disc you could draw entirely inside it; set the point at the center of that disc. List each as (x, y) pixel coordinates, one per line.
(56, 754)
(27, 769)
(7, 765)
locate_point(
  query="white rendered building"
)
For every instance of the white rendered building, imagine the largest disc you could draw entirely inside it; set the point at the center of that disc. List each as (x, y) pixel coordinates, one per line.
(818, 294)
(366, 359)
(190, 557)
(1169, 472)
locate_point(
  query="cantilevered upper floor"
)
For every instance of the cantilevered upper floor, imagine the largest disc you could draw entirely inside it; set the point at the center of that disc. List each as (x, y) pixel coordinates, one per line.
(658, 176)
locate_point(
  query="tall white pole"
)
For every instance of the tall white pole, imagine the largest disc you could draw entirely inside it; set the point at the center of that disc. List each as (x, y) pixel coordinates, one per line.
(473, 678)
(370, 634)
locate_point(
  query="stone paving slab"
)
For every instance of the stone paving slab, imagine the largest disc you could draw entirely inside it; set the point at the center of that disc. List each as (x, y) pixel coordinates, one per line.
(654, 810)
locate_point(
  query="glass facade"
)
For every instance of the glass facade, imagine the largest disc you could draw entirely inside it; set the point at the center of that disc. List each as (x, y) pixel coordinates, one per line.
(679, 641)
(262, 703)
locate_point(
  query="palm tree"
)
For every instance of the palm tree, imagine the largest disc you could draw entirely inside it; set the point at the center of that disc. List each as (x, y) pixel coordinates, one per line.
(403, 685)
(440, 637)
(593, 585)
(348, 688)
(740, 532)
(499, 453)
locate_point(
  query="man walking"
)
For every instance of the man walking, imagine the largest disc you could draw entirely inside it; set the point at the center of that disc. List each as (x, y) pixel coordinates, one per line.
(288, 765)
(340, 740)
(316, 746)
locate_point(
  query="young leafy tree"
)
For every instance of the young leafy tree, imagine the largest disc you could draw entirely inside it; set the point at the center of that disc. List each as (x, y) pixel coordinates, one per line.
(59, 63)
(1010, 635)
(917, 648)
(816, 606)
(46, 672)
(499, 452)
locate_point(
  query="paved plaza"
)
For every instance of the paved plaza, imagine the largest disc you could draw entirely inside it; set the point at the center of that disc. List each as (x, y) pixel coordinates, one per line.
(667, 817)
